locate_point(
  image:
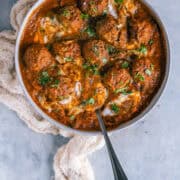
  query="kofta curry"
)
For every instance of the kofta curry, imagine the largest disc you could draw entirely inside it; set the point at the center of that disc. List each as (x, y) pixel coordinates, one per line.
(79, 56)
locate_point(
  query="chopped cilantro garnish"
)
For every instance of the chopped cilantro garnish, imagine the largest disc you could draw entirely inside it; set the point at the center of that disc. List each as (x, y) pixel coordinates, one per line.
(66, 13)
(143, 49)
(44, 78)
(151, 41)
(151, 67)
(125, 64)
(115, 108)
(124, 91)
(139, 76)
(92, 2)
(90, 101)
(92, 68)
(49, 47)
(105, 12)
(84, 16)
(119, 1)
(72, 117)
(86, 66)
(94, 9)
(59, 72)
(55, 83)
(111, 49)
(90, 31)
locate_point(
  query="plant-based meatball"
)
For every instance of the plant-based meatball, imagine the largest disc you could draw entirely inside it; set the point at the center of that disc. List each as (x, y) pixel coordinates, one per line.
(71, 21)
(143, 30)
(50, 76)
(94, 7)
(67, 51)
(38, 57)
(61, 84)
(121, 108)
(48, 29)
(118, 79)
(146, 74)
(113, 33)
(107, 29)
(61, 88)
(96, 52)
(64, 93)
(66, 23)
(123, 104)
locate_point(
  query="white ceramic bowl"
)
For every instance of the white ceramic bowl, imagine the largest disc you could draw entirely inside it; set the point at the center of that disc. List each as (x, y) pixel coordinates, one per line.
(127, 124)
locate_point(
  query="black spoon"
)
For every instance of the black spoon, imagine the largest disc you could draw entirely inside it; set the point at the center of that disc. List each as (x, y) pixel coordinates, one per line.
(116, 166)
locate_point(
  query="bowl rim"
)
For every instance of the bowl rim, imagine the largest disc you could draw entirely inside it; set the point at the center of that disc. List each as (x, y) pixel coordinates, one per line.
(120, 127)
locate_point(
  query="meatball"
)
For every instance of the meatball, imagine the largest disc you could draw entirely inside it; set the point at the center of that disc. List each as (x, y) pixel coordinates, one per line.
(143, 30)
(94, 7)
(96, 52)
(63, 90)
(71, 22)
(113, 33)
(121, 108)
(67, 22)
(60, 96)
(64, 93)
(141, 12)
(67, 51)
(117, 79)
(48, 28)
(146, 73)
(61, 84)
(37, 57)
(107, 29)
(94, 93)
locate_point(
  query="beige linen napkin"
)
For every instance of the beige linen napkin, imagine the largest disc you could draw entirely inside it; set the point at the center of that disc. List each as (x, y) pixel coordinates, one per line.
(70, 162)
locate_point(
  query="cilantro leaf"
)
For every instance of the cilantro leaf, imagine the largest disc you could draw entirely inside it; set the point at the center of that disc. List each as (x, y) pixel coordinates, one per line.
(44, 78)
(115, 108)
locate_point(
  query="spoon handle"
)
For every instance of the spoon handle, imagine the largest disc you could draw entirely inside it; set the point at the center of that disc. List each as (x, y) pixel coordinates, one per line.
(116, 166)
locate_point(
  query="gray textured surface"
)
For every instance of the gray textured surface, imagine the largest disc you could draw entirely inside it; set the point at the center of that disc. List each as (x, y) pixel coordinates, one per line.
(149, 150)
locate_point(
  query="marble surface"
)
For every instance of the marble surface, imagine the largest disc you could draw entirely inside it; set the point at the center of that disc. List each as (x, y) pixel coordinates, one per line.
(148, 150)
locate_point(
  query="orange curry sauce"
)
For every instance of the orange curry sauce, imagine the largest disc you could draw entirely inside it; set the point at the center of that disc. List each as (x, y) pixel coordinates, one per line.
(77, 57)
